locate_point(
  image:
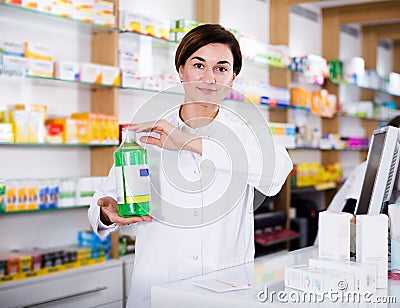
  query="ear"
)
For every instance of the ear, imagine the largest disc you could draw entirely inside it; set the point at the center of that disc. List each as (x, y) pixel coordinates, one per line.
(181, 72)
(233, 79)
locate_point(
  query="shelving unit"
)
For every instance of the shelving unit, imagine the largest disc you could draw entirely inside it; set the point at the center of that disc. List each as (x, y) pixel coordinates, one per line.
(57, 227)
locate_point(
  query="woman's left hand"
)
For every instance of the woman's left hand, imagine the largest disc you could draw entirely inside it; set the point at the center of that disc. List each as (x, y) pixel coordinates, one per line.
(170, 137)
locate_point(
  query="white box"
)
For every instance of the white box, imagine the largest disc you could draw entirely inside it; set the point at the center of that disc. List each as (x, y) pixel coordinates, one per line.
(67, 193)
(14, 48)
(334, 235)
(317, 280)
(68, 71)
(41, 68)
(90, 73)
(372, 244)
(84, 190)
(38, 51)
(110, 75)
(364, 274)
(15, 62)
(130, 21)
(130, 79)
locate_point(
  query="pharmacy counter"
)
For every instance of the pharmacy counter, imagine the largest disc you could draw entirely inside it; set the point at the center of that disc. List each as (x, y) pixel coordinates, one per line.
(266, 276)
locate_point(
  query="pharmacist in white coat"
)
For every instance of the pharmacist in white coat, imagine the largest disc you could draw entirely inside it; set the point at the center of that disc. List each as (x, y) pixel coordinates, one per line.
(205, 162)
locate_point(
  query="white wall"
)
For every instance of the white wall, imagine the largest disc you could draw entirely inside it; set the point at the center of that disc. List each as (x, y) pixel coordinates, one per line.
(69, 42)
(250, 16)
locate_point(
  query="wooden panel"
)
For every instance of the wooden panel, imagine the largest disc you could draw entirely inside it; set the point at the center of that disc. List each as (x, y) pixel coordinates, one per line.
(385, 32)
(330, 34)
(104, 100)
(369, 47)
(207, 11)
(105, 47)
(369, 126)
(367, 95)
(330, 125)
(279, 13)
(332, 88)
(278, 115)
(293, 2)
(102, 160)
(372, 12)
(104, 50)
(279, 77)
(329, 157)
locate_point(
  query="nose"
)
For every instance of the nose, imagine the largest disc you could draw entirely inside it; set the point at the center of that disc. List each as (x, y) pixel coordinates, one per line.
(209, 76)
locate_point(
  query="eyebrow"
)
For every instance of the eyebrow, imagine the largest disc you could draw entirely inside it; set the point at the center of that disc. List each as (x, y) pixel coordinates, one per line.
(219, 62)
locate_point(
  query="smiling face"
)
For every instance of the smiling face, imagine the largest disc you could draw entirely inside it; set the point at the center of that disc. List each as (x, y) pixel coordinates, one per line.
(208, 73)
(212, 63)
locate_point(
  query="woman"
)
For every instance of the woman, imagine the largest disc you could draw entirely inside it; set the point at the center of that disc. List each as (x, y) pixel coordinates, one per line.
(209, 224)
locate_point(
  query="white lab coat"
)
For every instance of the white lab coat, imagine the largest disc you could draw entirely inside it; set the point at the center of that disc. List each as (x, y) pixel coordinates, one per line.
(165, 253)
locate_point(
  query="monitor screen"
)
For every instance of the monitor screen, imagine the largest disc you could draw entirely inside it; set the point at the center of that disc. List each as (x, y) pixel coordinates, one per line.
(382, 163)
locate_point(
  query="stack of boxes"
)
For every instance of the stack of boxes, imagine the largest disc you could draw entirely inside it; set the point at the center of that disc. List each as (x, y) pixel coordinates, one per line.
(95, 11)
(41, 194)
(28, 123)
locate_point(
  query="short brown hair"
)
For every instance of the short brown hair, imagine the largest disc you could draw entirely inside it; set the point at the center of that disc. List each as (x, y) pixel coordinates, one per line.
(204, 35)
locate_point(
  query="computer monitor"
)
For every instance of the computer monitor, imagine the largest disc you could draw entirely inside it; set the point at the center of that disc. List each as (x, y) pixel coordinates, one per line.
(380, 174)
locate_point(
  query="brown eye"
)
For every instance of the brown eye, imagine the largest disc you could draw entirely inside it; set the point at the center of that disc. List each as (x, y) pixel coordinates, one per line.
(221, 69)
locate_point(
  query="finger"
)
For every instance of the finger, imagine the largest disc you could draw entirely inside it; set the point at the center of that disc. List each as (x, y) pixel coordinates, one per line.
(143, 127)
(106, 201)
(151, 140)
(120, 221)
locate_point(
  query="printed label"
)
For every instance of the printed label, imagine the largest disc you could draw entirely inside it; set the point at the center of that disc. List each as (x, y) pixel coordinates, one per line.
(120, 185)
(137, 180)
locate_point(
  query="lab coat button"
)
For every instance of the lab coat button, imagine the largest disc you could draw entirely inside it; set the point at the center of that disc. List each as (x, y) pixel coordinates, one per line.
(195, 257)
(196, 213)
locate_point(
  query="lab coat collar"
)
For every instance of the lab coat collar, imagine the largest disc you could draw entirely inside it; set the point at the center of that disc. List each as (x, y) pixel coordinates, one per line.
(201, 131)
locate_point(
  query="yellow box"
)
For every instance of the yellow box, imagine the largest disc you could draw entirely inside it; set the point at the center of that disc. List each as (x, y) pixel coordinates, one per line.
(38, 51)
(32, 4)
(130, 21)
(22, 194)
(93, 125)
(28, 122)
(11, 196)
(74, 130)
(103, 7)
(33, 196)
(62, 8)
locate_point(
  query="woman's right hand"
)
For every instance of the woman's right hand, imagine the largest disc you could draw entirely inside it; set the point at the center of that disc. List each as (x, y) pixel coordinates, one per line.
(109, 213)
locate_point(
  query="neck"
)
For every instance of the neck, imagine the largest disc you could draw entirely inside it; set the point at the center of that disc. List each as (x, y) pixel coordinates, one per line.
(197, 115)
